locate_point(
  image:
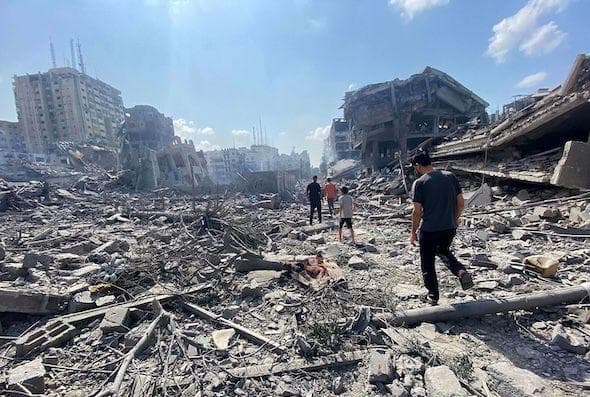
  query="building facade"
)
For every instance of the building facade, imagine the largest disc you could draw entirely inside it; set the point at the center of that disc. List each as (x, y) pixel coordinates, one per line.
(64, 104)
(340, 143)
(225, 165)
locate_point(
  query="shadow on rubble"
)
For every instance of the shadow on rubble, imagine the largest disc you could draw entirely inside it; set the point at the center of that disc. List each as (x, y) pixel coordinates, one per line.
(512, 336)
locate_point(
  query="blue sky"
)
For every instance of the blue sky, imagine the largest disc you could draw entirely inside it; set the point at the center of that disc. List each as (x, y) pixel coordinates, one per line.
(215, 66)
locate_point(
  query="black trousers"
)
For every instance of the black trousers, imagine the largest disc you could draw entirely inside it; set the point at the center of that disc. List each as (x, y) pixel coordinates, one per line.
(331, 206)
(315, 205)
(434, 244)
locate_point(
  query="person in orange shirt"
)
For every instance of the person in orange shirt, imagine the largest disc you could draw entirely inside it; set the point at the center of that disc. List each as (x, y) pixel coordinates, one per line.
(330, 192)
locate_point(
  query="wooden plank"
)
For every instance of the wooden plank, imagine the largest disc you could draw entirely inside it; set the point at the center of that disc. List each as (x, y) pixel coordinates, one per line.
(319, 363)
(247, 333)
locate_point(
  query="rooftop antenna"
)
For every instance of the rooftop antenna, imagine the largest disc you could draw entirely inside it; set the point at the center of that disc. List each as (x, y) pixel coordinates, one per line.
(52, 52)
(260, 130)
(73, 54)
(80, 59)
(265, 137)
(254, 135)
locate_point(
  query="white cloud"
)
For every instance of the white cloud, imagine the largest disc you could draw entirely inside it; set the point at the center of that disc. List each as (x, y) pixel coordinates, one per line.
(282, 133)
(188, 129)
(206, 146)
(410, 8)
(319, 134)
(522, 27)
(532, 80)
(241, 133)
(206, 131)
(543, 40)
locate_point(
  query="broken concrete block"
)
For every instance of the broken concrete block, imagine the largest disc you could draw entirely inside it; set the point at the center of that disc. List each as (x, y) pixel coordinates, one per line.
(546, 265)
(113, 246)
(317, 239)
(33, 259)
(12, 271)
(441, 382)
(480, 197)
(568, 342)
(508, 380)
(548, 213)
(358, 263)
(498, 225)
(572, 169)
(381, 368)
(519, 234)
(81, 248)
(81, 301)
(369, 248)
(397, 389)
(115, 320)
(338, 386)
(251, 289)
(31, 375)
(86, 271)
(221, 338)
(31, 302)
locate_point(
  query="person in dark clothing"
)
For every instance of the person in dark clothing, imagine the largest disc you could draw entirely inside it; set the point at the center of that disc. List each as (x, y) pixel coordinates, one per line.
(438, 203)
(314, 194)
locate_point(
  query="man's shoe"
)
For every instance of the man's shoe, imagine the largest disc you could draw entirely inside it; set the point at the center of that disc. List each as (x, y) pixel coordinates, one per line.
(428, 299)
(466, 281)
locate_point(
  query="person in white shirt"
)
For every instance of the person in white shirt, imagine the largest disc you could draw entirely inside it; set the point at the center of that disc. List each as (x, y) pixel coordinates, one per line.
(346, 212)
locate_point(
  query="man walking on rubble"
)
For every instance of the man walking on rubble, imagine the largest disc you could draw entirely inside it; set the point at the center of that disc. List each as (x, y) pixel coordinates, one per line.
(330, 192)
(346, 210)
(438, 203)
(314, 194)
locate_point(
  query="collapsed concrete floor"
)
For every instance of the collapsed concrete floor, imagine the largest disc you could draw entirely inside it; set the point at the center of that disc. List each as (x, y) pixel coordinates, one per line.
(105, 292)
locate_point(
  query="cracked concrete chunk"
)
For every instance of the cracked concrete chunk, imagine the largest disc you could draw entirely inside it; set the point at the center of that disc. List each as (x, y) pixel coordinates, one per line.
(441, 382)
(30, 375)
(221, 338)
(510, 381)
(381, 367)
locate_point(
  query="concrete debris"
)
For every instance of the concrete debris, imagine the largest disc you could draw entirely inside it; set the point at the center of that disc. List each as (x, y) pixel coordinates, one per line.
(441, 381)
(508, 380)
(155, 281)
(381, 366)
(30, 376)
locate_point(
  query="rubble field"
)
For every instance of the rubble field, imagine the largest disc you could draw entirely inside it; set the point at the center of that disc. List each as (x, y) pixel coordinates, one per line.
(106, 292)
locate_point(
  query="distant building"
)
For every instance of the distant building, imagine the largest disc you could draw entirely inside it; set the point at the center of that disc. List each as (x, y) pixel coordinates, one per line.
(64, 104)
(11, 142)
(225, 165)
(522, 101)
(340, 141)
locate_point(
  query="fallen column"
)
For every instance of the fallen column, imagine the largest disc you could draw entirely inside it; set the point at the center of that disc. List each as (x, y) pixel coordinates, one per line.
(487, 306)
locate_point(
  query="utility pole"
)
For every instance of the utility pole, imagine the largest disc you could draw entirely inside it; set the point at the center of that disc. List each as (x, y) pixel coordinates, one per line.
(73, 53)
(52, 52)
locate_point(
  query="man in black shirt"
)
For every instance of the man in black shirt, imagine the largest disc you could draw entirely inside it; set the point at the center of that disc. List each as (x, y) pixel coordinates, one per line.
(438, 202)
(314, 193)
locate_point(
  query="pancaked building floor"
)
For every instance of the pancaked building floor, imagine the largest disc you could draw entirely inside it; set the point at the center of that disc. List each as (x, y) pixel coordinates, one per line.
(106, 292)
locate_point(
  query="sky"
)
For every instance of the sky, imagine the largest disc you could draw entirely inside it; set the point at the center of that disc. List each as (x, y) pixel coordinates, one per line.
(217, 67)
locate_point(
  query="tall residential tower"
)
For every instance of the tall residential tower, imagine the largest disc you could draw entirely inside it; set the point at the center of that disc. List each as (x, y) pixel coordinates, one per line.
(64, 104)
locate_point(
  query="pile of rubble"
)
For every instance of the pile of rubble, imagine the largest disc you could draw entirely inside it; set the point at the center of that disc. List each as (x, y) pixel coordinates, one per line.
(104, 292)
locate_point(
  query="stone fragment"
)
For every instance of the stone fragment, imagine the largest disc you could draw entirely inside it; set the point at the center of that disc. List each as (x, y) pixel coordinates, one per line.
(498, 226)
(486, 285)
(251, 289)
(113, 246)
(338, 386)
(369, 248)
(30, 375)
(547, 213)
(397, 389)
(32, 259)
(221, 338)
(510, 268)
(12, 271)
(523, 235)
(357, 263)
(510, 381)
(546, 265)
(381, 366)
(441, 382)
(82, 301)
(115, 320)
(568, 342)
(317, 239)
(515, 279)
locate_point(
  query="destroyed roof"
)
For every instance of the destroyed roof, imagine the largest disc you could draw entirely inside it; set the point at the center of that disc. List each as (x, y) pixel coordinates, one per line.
(560, 115)
(352, 96)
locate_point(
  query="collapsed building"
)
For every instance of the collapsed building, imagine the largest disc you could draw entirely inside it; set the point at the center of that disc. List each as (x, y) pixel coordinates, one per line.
(155, 157)
(546, 142)
(391, 117)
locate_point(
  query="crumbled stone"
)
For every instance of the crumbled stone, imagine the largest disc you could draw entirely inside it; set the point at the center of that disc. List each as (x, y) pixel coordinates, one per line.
(381, 366)
(30, 375)
(441, 382)
(357, 263)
